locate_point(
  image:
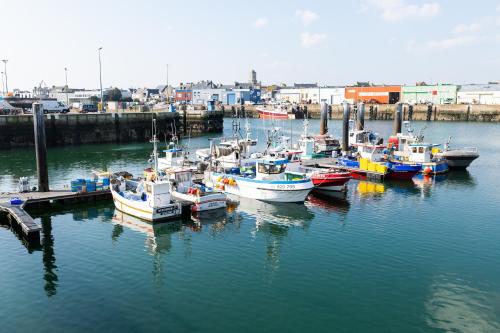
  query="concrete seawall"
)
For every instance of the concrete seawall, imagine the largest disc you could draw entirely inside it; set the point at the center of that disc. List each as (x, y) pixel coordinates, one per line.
(451, 112)
(74, 129)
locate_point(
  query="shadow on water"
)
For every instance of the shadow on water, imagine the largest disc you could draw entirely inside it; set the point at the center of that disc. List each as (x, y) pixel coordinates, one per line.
(49, 258)
(46, 246)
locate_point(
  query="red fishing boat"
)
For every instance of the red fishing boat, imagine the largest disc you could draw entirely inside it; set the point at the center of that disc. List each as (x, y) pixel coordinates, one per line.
(278, 112)
(329, 179)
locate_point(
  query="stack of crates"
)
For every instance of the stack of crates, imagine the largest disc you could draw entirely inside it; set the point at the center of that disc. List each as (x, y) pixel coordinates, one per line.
(78, 185)
(91, 185)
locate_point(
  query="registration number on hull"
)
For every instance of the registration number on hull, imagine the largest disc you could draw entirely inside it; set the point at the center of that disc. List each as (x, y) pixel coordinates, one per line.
(283, 187)
(167, 210)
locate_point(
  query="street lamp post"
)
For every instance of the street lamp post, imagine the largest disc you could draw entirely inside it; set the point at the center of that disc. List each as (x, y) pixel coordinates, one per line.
(100, 78)
(5, 73)
(3, 85)
(66, 88)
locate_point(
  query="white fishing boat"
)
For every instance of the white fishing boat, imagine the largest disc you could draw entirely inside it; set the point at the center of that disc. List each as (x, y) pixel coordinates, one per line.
(201, 197)
(264, 179)
(458, 158)
(149, 199)
(230, 152)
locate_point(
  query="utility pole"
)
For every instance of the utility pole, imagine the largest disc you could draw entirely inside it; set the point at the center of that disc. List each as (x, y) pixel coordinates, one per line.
(100, 78)
(5, 73)
(66, 88)
(3, 86)
(168, 96)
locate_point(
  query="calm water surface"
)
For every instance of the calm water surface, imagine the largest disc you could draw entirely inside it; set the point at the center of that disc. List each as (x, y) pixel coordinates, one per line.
(420, 256)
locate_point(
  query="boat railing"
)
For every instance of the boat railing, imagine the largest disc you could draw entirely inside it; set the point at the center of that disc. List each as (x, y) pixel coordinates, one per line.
(470, 149)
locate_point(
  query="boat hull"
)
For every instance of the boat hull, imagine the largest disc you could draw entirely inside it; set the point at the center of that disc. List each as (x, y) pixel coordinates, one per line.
(435, 168)
(460, 162)
(270, 191)
(270, 114)
(202, 203)
(330, 181)
(142, 210)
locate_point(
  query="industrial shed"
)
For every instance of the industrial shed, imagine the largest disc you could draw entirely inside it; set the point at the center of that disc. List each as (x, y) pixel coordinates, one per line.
(435, 94)
(479, 94)
(373, 94)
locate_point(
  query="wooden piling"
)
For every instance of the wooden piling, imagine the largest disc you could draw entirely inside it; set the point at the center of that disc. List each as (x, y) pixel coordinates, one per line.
(40, 147)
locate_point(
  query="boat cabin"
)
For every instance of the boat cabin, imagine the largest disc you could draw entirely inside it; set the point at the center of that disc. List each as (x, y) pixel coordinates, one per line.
(156, 193)
(374, 153)
(420, 152)
(306, 145)
(270, 169)
(183, 179)
(173, 157)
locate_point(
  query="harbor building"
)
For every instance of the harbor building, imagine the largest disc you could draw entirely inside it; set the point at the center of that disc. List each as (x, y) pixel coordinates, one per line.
(367, 93)
(435, 94)
(184, 93)
(311, 94)
(479, 94)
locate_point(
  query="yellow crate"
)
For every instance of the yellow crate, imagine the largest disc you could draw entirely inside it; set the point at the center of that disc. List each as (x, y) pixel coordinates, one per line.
(363, 163)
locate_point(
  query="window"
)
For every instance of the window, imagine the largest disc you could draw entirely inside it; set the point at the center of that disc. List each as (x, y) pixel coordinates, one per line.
(414, 150)
(421, 150)
(271, 169)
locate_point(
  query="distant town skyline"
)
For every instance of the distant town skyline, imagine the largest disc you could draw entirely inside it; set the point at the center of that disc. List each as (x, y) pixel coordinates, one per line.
(384, 42)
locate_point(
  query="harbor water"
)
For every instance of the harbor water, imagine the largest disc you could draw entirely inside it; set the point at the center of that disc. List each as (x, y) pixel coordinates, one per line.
(416, 256)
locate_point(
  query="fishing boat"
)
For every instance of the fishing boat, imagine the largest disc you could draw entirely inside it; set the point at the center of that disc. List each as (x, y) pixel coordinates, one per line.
(324, 179)
(201, 197)
(229, 152)
(458, 158)
(373, 159)
(149, 199)
(278, 111)
(263, 179)
(423, 154)
(410, 148)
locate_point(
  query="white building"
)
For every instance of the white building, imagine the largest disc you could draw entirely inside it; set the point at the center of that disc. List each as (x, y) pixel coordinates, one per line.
(314, 95)
(479, 94)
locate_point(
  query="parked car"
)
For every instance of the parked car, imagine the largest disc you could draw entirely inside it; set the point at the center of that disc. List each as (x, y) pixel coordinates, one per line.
(88, 108)
(51, 106)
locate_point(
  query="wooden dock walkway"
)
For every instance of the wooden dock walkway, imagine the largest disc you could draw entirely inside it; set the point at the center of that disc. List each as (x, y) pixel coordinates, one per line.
(29, 228)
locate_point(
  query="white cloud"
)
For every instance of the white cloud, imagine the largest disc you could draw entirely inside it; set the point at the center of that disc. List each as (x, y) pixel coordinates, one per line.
(498, 8)
(312, 39)
(397, 10)
(467, 28)
(448, 43)
(306, 16)
(261, 22)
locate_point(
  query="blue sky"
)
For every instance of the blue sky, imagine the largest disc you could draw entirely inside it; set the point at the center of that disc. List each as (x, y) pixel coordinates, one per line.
(329, 42)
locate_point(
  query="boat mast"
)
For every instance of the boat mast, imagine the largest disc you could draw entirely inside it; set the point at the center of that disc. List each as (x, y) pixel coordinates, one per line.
(154, 141)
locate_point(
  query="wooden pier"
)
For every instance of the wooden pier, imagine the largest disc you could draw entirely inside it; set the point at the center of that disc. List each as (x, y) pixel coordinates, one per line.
(28, 227)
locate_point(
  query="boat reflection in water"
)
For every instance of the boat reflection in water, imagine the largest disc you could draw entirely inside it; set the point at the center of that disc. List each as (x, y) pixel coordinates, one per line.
(366, 188)
(283, 214)
(158, 238)
(457, 179)
(335, 202)
(274, 221)
(217, 220)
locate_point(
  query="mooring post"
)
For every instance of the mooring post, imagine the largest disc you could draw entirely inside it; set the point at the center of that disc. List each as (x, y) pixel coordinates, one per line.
(360, 116)
(323, 123)
(398, 115)
(40, 147)
(345, 127)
